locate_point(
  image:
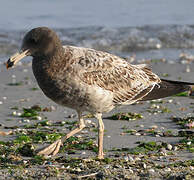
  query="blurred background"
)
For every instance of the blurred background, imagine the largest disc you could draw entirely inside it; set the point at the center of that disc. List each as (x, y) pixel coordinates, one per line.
(146, 28)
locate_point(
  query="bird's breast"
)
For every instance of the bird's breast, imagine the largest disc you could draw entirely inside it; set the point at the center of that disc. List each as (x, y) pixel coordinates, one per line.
(66, 89)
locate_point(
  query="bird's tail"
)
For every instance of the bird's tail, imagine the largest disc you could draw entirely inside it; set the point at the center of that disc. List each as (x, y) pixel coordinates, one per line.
(167, 88)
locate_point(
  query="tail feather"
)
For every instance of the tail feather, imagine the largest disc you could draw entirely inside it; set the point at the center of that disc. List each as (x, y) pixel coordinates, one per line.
(167, 88)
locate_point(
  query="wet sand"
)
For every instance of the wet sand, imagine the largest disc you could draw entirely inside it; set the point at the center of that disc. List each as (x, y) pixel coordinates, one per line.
(19, 90)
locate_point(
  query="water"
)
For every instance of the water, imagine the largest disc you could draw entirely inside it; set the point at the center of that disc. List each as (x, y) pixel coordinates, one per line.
(148, 28)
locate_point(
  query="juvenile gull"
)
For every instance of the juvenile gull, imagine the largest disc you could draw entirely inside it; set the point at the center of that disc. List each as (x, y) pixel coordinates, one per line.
(88, 80)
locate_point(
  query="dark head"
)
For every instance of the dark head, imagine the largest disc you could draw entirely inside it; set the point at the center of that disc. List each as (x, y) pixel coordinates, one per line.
(39, 42)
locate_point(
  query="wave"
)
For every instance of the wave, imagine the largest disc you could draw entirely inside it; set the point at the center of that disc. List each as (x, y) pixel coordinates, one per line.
(120, 40)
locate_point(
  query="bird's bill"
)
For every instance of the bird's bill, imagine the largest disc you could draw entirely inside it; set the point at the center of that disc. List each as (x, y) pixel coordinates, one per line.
(16, 57)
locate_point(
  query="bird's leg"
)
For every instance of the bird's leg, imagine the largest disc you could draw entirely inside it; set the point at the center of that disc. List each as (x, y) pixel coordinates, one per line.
(53, 149)
(100, 135)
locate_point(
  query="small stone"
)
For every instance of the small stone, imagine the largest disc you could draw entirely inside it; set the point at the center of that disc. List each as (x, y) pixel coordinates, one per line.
(131, 159)
(25, 162)
(163, 151)
(141, 125)
(72, 116)
(151, 171)
(1, 102)
(25, 70)
(126, 158)
(83, 153)
(167, 169)
(52, 108)
(49, 163)
(25, 120)
(170, 100)
(4, 98)
(88, 121)
(191, 168)
(175, 148)
(78, 169)
(144, 165)
(137, 159)
(39, 117)
(14, 113)
(19, 114)
(154, 127)
(130, 171)
(137, 134)
(189, 143)
(169, 147)
(188, 69)
(107, 166)
(158, 46)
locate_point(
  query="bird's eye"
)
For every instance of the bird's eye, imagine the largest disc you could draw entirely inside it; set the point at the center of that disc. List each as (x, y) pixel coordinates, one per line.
(33, 41)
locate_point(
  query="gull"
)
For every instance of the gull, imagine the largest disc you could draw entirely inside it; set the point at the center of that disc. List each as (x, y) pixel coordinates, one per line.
(88, 80)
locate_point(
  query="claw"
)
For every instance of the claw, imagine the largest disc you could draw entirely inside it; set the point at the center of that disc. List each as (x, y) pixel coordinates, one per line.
(52, 149)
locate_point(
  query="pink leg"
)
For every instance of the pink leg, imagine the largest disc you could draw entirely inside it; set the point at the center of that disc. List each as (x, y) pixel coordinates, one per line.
(53, 149)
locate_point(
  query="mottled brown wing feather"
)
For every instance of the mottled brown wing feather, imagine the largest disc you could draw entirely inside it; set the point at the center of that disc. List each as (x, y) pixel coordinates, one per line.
(128, 83)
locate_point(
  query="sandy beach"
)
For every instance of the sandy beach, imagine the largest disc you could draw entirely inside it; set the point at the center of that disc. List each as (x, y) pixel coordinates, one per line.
(156, 142)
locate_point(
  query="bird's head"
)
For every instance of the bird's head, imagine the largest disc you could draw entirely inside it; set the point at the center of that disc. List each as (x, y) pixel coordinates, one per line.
(40, 42)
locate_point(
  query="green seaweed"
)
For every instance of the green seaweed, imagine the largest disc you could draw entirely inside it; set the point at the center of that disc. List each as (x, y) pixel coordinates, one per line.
(126, 116)
(184, 94)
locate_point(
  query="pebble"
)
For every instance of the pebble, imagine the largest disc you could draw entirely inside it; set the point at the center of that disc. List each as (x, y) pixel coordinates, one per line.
(131, 159)
(88, 121)
(189, 143)
(144, 165)
(188, 69)
(78, 169)
(53, 108)
(126, 158)
(163, 151)
(130, 171)
(14, 113)
(175, 148)
(151, 171)
(49, 163)
(1, 102)
(4, 98)
(25, 120)
(170, 100)
(158, 46)
(25, 162)
(137, 134)
(169, 147)
(83, 153)
(107, 166)
(154, 127)
(79, 136)
(141, 125)
(25, 70)
(39, 117)
(137, 159)
(19, 114)
(167, 169)
(13, 76)
(72, 116)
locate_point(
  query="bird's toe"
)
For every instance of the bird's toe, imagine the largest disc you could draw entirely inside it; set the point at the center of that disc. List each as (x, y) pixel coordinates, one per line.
(52, 149)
